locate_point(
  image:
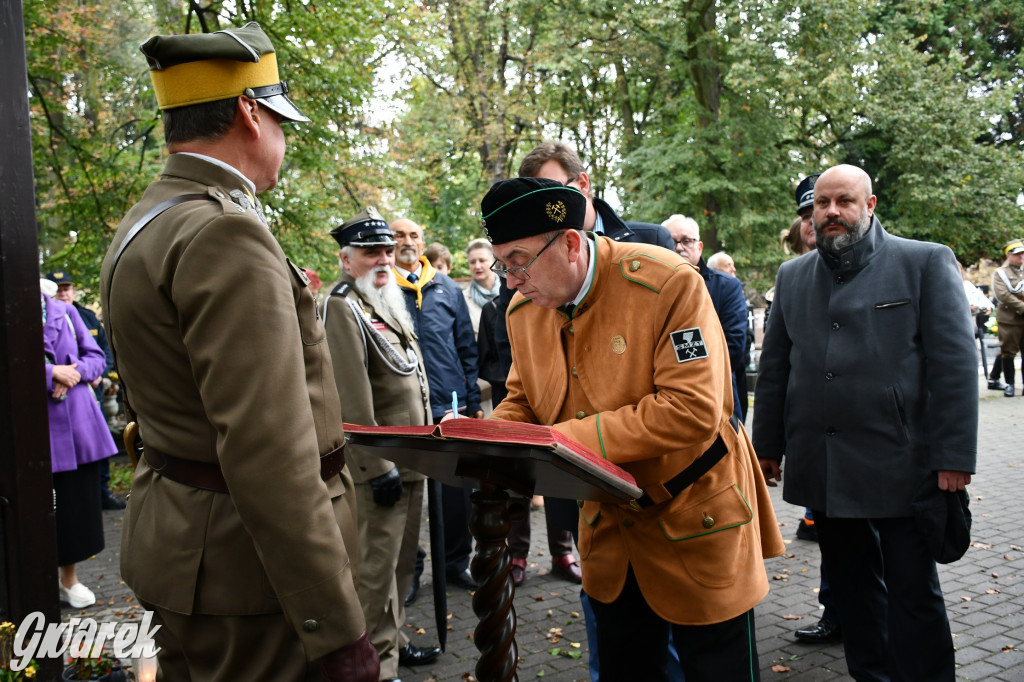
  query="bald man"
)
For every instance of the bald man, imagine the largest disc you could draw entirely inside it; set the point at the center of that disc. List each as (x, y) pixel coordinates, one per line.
(868, 386)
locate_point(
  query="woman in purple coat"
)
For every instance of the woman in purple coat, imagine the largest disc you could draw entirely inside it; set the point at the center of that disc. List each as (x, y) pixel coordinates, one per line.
(79, 438)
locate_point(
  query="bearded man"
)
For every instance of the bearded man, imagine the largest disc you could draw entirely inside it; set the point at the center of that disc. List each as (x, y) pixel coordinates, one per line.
(868, 386)
(381, 382)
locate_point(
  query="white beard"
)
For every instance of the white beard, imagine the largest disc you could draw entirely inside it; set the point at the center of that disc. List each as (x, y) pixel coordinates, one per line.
(387, 298)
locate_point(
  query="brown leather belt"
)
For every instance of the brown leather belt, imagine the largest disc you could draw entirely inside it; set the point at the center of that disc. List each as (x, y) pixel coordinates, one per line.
(207, 476)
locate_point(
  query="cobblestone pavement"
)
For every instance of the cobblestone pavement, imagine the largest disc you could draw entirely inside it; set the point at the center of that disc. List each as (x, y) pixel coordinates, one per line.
(984, 591)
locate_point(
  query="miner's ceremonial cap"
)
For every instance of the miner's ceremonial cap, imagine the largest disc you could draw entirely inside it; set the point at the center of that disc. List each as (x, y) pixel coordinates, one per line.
(523, 207)
(205, 67)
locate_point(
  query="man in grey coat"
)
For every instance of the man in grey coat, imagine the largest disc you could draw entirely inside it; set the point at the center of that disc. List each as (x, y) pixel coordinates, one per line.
(868, 386)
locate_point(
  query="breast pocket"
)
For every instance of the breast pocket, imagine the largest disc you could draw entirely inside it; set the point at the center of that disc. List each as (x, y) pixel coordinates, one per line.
(310, 324)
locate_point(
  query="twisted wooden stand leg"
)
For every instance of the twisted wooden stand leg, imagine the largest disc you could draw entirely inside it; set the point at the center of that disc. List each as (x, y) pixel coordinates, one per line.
(491, 567)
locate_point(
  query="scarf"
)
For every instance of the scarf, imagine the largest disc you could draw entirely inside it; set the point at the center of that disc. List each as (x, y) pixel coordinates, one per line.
(427, 273)
(482, 296)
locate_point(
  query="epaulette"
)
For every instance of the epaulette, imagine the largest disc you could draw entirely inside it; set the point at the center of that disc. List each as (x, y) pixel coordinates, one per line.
(341, 289)
(647, 270)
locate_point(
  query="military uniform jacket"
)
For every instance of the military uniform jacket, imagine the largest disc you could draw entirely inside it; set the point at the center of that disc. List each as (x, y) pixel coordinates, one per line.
(868, 376)
(225, 361)
(374, 391)
(639, 374)
(1010, 310)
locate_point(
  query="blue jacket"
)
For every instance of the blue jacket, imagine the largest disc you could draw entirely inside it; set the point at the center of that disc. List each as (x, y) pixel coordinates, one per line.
(731, 305)
(445, 333)
(620, 231)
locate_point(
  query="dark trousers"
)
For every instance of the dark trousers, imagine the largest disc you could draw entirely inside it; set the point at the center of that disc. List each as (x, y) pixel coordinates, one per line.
(634, 640)
(458, 541)
(559, 524)
(890, 604)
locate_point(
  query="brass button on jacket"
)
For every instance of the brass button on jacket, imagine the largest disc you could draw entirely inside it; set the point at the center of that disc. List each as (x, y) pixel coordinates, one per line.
(708, 522)
(581, 414)
(310, 625)
(634, 266)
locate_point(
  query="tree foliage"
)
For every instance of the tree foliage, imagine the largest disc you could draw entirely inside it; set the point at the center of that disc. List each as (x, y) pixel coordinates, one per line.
(711, 108)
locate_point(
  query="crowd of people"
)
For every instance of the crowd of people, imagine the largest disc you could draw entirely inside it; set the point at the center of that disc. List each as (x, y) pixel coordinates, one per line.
(263, 543)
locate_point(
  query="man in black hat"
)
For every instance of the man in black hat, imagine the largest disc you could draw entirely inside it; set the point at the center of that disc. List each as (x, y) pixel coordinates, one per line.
(379, 365)
(618, 346)
(240, 531)
(868, 388)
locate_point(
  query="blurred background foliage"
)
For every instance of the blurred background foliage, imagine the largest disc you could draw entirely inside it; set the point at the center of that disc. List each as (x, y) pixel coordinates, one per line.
(710, 108)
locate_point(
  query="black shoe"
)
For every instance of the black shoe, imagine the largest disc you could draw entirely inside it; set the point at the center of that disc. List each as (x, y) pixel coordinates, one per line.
(414, 591)
(463, 579)
(1009, 391)
(996, 385)
(821, 632)
(416, 655)
(111, 502)
(806, 531)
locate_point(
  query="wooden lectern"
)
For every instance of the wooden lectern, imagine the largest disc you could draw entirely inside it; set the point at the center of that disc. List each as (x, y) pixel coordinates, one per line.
(492, 456)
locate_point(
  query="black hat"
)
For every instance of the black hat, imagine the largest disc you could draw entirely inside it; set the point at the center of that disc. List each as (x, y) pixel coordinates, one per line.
(205, 67)
(522, 207)
(944, 518)
(805, 192)
(60, 277)
(366, 229)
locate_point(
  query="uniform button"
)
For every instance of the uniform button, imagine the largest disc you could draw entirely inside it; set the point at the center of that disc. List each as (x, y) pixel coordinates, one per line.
(573, 371)
(220, 195)
(571, 330)
(839, 279)
(830, 431)
(835, 325)
(581, 414)
(829, 376)
(634, 266)
(310, 625)
(579, 503)
(708, 522)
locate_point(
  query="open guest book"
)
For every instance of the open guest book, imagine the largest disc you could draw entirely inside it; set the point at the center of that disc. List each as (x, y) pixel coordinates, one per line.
(527, 458)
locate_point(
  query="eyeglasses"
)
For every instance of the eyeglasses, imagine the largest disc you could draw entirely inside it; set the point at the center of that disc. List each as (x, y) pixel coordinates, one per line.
(687, 241)
(500, 270)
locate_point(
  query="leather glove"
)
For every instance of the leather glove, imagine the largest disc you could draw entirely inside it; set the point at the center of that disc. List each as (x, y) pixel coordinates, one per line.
(355, 662)
(387, 489)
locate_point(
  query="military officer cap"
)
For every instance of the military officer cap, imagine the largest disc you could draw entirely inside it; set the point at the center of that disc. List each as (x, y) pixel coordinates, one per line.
(805, 192)
(522, 207)
(1014, 246)
(366, 229)
(206, 67)
(60, 277)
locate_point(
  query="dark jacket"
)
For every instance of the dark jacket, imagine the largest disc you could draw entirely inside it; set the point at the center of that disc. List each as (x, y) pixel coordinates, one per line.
(730, 304)
(868, 377)
(445, 335)
(618, 230)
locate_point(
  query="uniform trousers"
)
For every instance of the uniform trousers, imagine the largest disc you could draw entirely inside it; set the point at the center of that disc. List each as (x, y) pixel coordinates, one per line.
(890, 604)
(388, 537)
(634, 643)
(202, 648)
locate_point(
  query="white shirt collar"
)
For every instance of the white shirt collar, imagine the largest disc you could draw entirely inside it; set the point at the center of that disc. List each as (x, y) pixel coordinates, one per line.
(226, 166)
(589, 279)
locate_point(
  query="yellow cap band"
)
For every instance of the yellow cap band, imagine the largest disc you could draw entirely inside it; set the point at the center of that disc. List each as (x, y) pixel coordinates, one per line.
(1015, 244)
(211, 80)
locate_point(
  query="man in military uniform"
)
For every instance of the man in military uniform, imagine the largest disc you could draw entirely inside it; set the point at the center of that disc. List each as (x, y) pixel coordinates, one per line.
(377, 361)
(239, 528)
(1008, 286)
(618, 346)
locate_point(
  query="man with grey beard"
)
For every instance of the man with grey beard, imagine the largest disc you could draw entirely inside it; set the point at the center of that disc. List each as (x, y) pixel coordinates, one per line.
(380, 382)
(868, 387)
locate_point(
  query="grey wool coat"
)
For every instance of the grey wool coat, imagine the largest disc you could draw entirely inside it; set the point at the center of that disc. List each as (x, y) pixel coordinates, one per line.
(868, 377)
